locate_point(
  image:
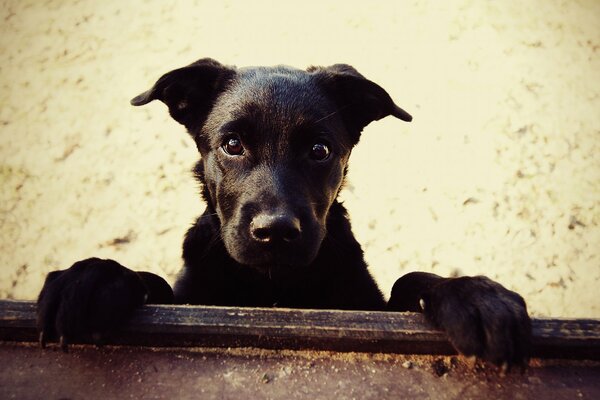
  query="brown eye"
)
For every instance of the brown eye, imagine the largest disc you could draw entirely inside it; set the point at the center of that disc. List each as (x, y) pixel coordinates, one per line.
(233, 146)
(320, 151)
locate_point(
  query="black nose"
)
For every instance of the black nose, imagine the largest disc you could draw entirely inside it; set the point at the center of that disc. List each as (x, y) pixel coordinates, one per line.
(268, 228)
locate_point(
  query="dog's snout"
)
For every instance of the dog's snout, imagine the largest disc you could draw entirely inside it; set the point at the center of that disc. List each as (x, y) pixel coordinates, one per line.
(268, 228)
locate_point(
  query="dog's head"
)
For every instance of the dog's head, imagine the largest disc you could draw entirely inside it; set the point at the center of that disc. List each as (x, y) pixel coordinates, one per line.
(274, 145)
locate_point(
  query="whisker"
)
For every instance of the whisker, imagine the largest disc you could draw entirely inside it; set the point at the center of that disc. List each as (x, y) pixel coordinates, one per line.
(331, 114)
(327, 116)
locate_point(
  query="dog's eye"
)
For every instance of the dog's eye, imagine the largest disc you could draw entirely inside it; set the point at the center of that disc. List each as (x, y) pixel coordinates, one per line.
(233, 146)
(320, 151)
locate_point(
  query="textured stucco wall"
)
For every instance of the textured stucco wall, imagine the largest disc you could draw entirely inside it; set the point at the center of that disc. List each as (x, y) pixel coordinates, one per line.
(499, 173)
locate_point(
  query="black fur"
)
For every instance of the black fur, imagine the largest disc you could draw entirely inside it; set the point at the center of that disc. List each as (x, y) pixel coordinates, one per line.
(274, 145)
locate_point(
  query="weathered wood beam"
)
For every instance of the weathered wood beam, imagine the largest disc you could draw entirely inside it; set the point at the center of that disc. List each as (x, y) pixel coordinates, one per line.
(277, 328)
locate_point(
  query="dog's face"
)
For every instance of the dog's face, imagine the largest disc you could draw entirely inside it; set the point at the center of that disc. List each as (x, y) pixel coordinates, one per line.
(274, 146)
(274, 155)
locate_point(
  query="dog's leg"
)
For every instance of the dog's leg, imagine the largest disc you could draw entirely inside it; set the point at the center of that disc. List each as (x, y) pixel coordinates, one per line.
(480, 316)
(93, 297)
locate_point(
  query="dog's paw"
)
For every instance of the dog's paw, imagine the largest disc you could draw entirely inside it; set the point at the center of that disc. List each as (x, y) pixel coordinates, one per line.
(481, 318)
(87, 300)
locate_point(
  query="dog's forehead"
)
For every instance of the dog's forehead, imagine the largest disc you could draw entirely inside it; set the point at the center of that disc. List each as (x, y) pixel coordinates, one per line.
(282, 92)
(275, 79)
(273, 106)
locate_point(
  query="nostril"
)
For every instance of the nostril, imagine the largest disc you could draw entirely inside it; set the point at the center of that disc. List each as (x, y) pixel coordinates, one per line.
(292, 232)
(281, 227)
(261, 234)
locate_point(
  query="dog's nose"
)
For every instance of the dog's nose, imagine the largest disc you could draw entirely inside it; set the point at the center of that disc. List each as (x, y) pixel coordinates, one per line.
(268, 228)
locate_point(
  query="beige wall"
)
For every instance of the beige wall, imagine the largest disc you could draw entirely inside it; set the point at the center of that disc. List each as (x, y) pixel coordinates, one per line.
(501, 159)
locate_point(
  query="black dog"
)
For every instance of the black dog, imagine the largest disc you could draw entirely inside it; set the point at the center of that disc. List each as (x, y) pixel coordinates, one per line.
(274, 145)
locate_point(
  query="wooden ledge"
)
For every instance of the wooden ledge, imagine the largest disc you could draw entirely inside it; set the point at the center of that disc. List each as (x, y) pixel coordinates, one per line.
(278, 328)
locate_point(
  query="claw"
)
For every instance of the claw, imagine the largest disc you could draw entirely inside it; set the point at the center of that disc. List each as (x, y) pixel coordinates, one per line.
(42, 340)
(63, 344)
(504, 369)
(471, 362)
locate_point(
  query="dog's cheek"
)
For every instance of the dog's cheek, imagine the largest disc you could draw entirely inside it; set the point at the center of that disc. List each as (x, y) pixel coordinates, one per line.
(230, 219)
(336, 179)
(223, 188)
(229, 196)
(211, 176)
(332, 184)
(231, 241)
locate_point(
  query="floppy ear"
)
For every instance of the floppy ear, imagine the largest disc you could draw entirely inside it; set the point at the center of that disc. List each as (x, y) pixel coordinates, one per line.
(189, 92)
(359, 100)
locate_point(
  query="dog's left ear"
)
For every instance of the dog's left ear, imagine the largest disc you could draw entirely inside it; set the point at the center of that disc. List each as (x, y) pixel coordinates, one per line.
(189, 92)
(359, 100)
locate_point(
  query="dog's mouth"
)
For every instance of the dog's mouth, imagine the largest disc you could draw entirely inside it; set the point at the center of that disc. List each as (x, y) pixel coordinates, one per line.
(275, 271)
(280, 272)
(273, 256)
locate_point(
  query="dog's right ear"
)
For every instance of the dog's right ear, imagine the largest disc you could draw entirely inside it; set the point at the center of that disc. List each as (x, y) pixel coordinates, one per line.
(189, 92)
